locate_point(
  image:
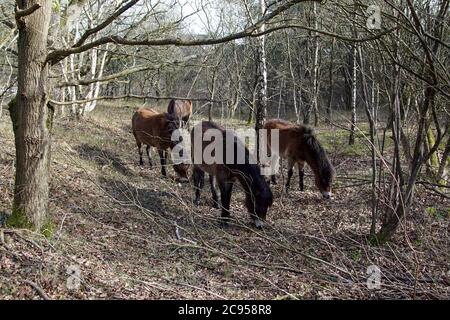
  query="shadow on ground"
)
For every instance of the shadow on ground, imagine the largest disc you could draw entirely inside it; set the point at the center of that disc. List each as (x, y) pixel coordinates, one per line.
(103, 157)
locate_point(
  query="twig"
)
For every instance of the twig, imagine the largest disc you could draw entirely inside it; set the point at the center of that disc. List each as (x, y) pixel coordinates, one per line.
(436, 191)
(38, 289)
(433, 184)
(352, 185)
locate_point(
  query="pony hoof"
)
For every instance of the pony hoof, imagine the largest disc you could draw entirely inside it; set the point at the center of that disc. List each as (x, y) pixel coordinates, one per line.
(197, 202)
(216, 205)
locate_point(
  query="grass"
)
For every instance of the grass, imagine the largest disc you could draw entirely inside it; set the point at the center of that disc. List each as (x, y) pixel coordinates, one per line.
(134, 234)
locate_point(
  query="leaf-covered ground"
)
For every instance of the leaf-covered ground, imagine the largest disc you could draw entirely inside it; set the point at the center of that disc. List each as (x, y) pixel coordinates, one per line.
(133, 234)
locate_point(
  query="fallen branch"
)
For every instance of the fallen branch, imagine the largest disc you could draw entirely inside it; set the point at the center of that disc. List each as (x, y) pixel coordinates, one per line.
(352, 185)
(438, 185)
(38, 289)
(436, 191)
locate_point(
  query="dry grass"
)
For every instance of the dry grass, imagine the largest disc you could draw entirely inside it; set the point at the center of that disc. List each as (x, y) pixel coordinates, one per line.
(136, 235)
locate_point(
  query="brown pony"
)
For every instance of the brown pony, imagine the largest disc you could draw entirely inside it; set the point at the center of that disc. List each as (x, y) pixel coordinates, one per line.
(155, 129)
(298, 144)
(181, 109)
(258, 196)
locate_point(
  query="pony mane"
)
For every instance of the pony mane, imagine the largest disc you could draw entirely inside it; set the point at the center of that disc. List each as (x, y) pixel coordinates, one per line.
(308, 131)
(318, 152)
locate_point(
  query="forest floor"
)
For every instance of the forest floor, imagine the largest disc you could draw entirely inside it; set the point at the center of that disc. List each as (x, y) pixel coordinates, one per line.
(132, 234)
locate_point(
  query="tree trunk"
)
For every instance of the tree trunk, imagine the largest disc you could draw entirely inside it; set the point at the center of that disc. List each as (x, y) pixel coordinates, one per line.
(407, 196)
(32, 120)
(443, 167)
(294, 84)
(330, 96)
(261, 107)
(434, 160)
(95, 87)
(212, 94)
(397, 201)
(315, 99)
(351, 140)
(370, 107)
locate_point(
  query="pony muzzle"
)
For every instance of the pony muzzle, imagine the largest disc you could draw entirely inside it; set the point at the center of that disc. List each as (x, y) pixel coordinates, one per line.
(182, 179)
(327, 195)
(259, 224)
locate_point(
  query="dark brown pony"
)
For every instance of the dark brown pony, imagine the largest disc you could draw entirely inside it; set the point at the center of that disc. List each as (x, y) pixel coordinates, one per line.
(155, 129)
(181, 109)
(258, 196)
(298, 144)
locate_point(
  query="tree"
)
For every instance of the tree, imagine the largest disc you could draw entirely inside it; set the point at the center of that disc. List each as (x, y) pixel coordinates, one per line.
(261, 106)
(405, 187)
(32, 115)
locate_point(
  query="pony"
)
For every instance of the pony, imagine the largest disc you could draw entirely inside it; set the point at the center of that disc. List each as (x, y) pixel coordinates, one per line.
(155, 129)
(181, 109)
(299, 145)
(258, 196)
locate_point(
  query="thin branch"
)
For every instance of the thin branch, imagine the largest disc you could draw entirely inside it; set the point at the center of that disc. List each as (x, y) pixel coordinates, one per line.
(123, 73)
(57, 55)
(440, 193)
(105, 23)
(38, 289)
(9, 24)
(132, 96)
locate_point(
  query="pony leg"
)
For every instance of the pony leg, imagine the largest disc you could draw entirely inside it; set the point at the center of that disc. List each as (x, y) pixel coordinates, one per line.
(273, 178)
(225, 198)
(149, 155)
(290, 173)
(162, 157)
(212, 182)
(301, 175)
(139, 145)
(199, 182)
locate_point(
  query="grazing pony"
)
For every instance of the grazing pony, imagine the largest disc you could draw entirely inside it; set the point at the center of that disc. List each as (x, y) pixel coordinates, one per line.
(155, 129)
(258, 196)
(298, 144)
(181, 109)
